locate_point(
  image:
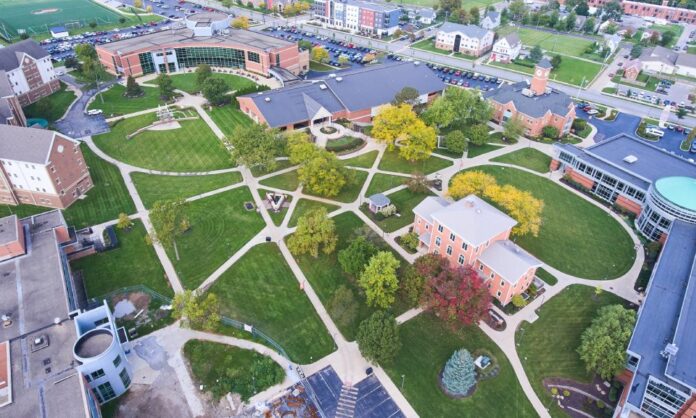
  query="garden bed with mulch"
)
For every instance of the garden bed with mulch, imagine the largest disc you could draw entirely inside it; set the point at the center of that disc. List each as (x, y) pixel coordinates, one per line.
(578, 399)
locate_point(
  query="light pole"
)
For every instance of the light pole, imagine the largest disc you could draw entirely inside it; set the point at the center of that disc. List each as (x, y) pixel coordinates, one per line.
(403, 377)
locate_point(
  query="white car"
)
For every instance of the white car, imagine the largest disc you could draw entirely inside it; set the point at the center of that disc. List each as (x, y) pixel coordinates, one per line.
(655, 132)
(592, 112)
(94, 112)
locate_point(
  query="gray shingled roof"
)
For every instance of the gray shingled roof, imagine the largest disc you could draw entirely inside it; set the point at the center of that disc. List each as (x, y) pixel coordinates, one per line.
(659, 53)
(472, 31)
(556, 101)
(10, 55)
(544, 63)
(508, 260)
(512, 38)
(494, 16)
(688, 60)
(25, 144)
(379, 199)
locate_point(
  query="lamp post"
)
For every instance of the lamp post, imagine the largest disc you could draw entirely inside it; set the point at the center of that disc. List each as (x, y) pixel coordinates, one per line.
(403, 377)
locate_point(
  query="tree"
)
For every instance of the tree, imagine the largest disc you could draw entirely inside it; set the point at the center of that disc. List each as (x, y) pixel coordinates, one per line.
(166, 86)
(70, 62)
(407, 95)
(474, 15)
(636, 50)
(603, 344)
(478, 134)
(516, 10)
(440, 113)
(85, 51)
(556, 61)
(681, 112)
(418, 183)
(449, 5)
(513, 129)
(215, 91)
(354, 258)
(612, 10)
(93, 24)
(169, 220)
(582, 9)
(203, 72)
(536, 54)
(378, 338)
(324, 174)
(196, 311)
(457, 295)
(133, 89)
(392, 123)
(343, 60)
(255, 145)
(300, 150)
(343, 307)
(667, 38)
(138, 4)
(379, 280)
(461, 16)
(411, 282)
(304, 44)
(470, 182)
(319, 54)
(520, 205)
(456, 142)
(570, 21)
(419, 143)
(549, 131)
(459, 375)
(148, 9)
(124, 222)
(518, 301)
(315, 231)
(240, 22)
(589, 26)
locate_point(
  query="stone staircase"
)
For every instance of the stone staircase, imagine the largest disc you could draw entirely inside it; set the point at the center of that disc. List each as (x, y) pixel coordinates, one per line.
(346, 402)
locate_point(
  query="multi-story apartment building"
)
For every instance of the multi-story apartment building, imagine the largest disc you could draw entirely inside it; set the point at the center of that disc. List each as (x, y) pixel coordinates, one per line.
(41, 167)
(506, 48)
(472, 233)
(655, 11)
(47, 362)
(467, 39)
(653, 184)
(11, 112)
(29, 70)
(358, 16)
(534, 104)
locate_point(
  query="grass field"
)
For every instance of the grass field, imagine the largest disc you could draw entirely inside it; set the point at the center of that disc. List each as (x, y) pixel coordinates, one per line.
(427, 344)
(548, 347)
(260, 289)
(476, 150)
(286, 181)
(51, 107)
(116, 104)
(228, 117)
(571, 70)
(152, 187)
(132, 263)
(256, 170)
(363, 161)
(304, 206)
(318, 66)
(429, 45)
(187, 82)
(193, 147)
(219, 227)
(104, 201)
(551, 42)
(527, 157)
(404, 200)
(383, 182)
(392, 162)
(576, 236)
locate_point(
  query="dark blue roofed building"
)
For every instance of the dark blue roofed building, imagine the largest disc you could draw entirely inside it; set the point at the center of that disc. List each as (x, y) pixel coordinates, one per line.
(636, 177)
(356, 96)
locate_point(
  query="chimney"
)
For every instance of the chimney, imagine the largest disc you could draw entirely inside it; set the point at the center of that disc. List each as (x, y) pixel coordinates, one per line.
(541, 77)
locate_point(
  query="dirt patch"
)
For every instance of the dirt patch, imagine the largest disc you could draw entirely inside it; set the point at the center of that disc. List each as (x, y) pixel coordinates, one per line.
(162, 399)
(140, 300)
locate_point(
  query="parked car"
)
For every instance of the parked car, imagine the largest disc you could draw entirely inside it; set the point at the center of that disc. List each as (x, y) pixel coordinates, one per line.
(655, 132)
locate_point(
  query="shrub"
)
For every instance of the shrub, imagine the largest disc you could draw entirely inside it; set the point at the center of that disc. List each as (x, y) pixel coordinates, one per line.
(550, 132)
(579, 124)
(566, 393)
(388, 211)
(518, 301)
(613, 394)
(554, 391)
(410, 240)
(600, 404)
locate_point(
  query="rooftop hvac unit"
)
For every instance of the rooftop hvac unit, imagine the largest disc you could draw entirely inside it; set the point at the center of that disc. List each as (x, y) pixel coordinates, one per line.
(332, 75)
(527, 92)
(267, 99)
(322, 86)
(630, 159)
(670, 350)
(339, 79)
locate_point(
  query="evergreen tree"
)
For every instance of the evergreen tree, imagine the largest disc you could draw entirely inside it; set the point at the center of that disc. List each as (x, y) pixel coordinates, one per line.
(133, 89)
(459, 375)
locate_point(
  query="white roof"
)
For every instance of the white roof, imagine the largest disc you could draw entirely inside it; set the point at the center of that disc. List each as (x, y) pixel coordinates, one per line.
(508, 260)
(429, 205)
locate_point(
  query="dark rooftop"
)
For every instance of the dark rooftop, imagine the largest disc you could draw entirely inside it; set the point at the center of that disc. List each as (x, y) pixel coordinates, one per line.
(556, 101)
(11, 54)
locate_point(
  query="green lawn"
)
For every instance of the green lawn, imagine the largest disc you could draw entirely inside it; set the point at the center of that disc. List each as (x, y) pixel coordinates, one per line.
(104, 201)
(318, 66)
(546, 276)
(187, 82)
(132, 263)
(383, 182)
(276, 217)
(576, 236)
(363, 161)
(219, 227)
(548, 347)
(228, 117)
(349, 192)
(152, 187)
(476, 150)
(304, 206)
(427, 344)
(392, 162)
(404, 200)
(256, 171)
(527, 157)
(193, 147)
(326, 276)
(571, 70)
(551, 42)
(51, 107)
(115, 103)
(429, 45)
(260, 289)
(229, 362)
(286, 181)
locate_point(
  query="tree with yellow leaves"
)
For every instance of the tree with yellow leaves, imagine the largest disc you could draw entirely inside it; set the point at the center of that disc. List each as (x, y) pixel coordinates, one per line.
(319, 54)
(419, 143)
(241, 22)
(392, 123)
(138, 4)
(471, 182)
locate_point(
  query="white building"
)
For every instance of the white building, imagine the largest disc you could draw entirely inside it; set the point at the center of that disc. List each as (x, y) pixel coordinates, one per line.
(658, 60)
(491, 20)
(612, 42)
(467, 39)
(426, 16)
(59, 32)
(507, 48)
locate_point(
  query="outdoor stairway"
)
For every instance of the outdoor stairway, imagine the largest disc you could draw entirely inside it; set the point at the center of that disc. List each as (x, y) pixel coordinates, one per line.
(346, 402)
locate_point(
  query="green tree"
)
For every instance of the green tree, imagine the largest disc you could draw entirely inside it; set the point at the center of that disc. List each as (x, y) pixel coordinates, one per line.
(570, 21)
(215, 91)
(124, 222)
(440, 114)
(516, 10)
(589, 26)
(196, 311)
(613, 10)
(343, 306)
(518, 301)
(133, 89)
(379, 280)
(456, 142)
(85, 52)
(603, 344)
(556, 61)
(536, 54)
(412, 283)
(449, 5)
(459, 375)
(513, 129)
(354, 258)
(315, 231)
(166, 86)
(169, 220)
(319, 54)
(419, 143)
(681, 112)
(203, 72)
(304, 44)
(138, 4)
(478, 134)
(636, 50)
(255, 145)
(407, 95)
(378, 338)
(549, 131)
(474, 15)
(324, 174)
(582, 9)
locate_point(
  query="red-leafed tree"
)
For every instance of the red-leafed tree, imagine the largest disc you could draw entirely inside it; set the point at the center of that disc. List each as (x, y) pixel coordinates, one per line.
(457, 295)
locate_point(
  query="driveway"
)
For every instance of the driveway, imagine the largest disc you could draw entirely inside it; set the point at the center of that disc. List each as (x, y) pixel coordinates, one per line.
(75, 123)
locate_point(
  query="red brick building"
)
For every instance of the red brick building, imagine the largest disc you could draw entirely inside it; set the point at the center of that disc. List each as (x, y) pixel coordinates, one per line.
(535, 104)
(655, 11)
(41, 167)
(472, 233)
(29, 70)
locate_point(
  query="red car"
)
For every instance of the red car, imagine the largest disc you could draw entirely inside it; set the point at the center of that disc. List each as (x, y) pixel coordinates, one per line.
(457, 73)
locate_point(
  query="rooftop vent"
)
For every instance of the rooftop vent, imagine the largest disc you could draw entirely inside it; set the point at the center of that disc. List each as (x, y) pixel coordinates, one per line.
(670, 350)
(527, 93)
(332, 75)
(322, 86)
(630, 159)
(267, 99)
(39, 343)
(468, 203)
(416, 62)
(339, 79)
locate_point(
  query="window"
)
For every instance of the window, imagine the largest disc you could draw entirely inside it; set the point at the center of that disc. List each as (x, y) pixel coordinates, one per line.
(449, 250)
(117, 360)
(451, 237)
(481, 266)
(106, 391)
(492, 275)
(461, 259)
(437, 241)
(499, 293)
(253, 57)
(465, 246)
(125, 378)
(440, 228)
(97, 374)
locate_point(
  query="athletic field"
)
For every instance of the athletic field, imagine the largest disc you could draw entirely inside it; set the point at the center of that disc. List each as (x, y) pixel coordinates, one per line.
(38, 16)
